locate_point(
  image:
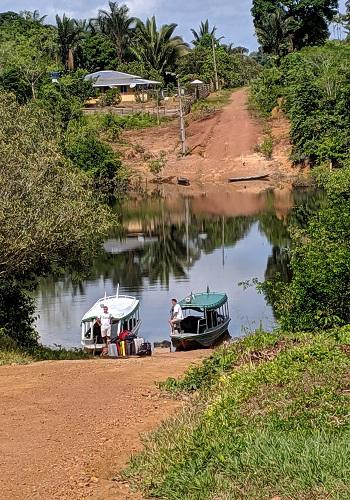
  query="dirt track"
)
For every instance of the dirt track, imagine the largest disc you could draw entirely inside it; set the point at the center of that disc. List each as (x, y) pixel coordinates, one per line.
(221, 145)
(67, 428)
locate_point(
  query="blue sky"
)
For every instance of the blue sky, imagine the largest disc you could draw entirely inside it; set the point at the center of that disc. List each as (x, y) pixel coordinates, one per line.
(232, 17)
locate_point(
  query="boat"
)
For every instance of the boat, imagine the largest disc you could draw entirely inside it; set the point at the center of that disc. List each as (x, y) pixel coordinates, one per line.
(249, 178)
(125, 312)
(206, 319)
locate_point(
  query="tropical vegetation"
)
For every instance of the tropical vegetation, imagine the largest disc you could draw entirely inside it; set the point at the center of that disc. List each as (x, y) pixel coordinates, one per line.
(270, 420)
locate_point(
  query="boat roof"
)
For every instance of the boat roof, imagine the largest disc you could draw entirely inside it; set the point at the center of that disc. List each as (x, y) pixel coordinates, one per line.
(207, 300)
(120, 307)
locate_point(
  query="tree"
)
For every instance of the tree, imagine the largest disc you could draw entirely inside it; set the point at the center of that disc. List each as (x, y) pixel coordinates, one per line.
(308, 19)
(96, 52)
(158, 50)
(117, 26)
(204, 30)
(274, 33)
(232, 49)
(69, 34)
(49, 215)
(346, 18)
(233, 69)
(33, 16)
(318, 295)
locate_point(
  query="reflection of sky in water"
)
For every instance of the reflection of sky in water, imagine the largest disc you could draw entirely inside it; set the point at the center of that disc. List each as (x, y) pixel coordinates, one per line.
(60, 306)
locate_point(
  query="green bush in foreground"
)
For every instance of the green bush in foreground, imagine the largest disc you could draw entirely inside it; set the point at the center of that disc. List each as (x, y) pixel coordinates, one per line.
(271, 417)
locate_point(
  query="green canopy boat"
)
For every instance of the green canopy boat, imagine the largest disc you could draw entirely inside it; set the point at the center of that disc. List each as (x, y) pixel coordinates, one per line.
(206, 319)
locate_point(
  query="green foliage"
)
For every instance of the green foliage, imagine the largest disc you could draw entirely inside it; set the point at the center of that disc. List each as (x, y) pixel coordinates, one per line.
(69, 34)
(13, 352)
(157, 49)
(300, 23)
(157, 164)
(204, 35)
(49, 215)
(270, 418)
(318, 295)
(111, 97)
(95, 53)
(315, 85)
(64, 99)
(91, 155)
(234, 70)
(266, 147)
(117, 26)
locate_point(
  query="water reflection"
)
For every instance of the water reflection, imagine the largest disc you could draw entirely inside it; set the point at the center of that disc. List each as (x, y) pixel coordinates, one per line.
(167, 248)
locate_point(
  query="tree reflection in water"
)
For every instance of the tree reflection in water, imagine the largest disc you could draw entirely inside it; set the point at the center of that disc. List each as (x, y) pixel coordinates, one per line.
(181, 237)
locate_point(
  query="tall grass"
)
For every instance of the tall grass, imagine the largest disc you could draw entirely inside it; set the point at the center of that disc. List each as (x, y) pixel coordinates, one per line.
(270, 416)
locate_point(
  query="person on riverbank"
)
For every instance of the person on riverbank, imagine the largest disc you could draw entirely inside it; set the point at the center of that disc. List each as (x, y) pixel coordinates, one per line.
(176, 315)
(105, 321)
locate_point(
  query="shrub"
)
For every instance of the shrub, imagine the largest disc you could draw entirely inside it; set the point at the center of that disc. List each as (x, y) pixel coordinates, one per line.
(266, 148)
(111, 97)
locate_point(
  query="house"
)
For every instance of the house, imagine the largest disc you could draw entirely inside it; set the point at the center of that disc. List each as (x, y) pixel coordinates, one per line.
(129, 85)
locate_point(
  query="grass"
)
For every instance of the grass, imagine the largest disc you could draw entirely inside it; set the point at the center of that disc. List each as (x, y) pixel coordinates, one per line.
(211, 104)
(10, 353)
(104, 122)
(268, 416)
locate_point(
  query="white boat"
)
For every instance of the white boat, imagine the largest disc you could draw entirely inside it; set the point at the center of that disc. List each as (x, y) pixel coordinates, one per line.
(125, 311)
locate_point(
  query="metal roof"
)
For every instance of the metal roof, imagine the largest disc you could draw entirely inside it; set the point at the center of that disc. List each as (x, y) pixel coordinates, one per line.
(109, 78)
(207, 300)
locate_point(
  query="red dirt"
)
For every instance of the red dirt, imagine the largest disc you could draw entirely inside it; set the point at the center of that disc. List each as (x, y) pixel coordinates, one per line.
(67, 428)
(221, 146)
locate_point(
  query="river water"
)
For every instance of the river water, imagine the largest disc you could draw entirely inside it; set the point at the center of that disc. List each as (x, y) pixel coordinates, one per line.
(168, 248)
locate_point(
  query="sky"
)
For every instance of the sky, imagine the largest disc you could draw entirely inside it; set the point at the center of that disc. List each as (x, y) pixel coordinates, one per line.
(232, 17)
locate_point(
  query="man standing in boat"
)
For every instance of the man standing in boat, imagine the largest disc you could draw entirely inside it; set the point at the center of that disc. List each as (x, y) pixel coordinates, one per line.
(176, 315)
(105, 321)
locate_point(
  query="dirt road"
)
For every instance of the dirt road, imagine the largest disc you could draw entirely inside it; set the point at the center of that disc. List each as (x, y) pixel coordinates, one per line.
(221, 145)
(67, 428)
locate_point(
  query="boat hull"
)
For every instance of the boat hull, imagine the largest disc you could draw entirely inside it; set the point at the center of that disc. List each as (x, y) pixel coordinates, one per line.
(205, 339)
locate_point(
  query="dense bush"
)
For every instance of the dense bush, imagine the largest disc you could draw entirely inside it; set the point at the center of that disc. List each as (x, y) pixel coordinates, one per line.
(90, 154)
(315, 87)
(111, 97)
(234, 70)
(318, 295)
(49, 215)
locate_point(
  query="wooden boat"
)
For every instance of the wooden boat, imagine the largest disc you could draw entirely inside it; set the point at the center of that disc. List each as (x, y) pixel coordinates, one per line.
(183, 181)
(249, 178)
(206, 319)
(125, 312)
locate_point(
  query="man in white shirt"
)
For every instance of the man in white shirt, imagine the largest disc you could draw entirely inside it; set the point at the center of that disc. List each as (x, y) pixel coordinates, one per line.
(105, 321)
(176, 314)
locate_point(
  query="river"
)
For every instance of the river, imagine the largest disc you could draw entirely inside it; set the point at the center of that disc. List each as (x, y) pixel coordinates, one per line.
(168, 248)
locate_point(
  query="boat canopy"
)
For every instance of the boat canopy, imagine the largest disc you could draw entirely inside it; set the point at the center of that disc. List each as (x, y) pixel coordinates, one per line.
(120, 307)
(200, 301)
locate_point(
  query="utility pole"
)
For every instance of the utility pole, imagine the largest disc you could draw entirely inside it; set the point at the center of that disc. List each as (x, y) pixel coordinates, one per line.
(182, 123)
(214, 63)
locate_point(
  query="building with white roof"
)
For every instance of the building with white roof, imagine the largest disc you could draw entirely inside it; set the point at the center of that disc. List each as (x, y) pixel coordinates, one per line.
(127, 84)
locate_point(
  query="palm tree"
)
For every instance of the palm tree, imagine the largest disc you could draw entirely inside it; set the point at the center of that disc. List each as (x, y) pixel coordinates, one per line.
(69, 35)
(232, 49)
(158, 50)
(33, 16)
(116, 25)
(204, 31)
(274, 34)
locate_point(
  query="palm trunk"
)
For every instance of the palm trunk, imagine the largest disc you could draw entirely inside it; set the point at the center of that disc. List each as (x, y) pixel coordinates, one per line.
(70, 60)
